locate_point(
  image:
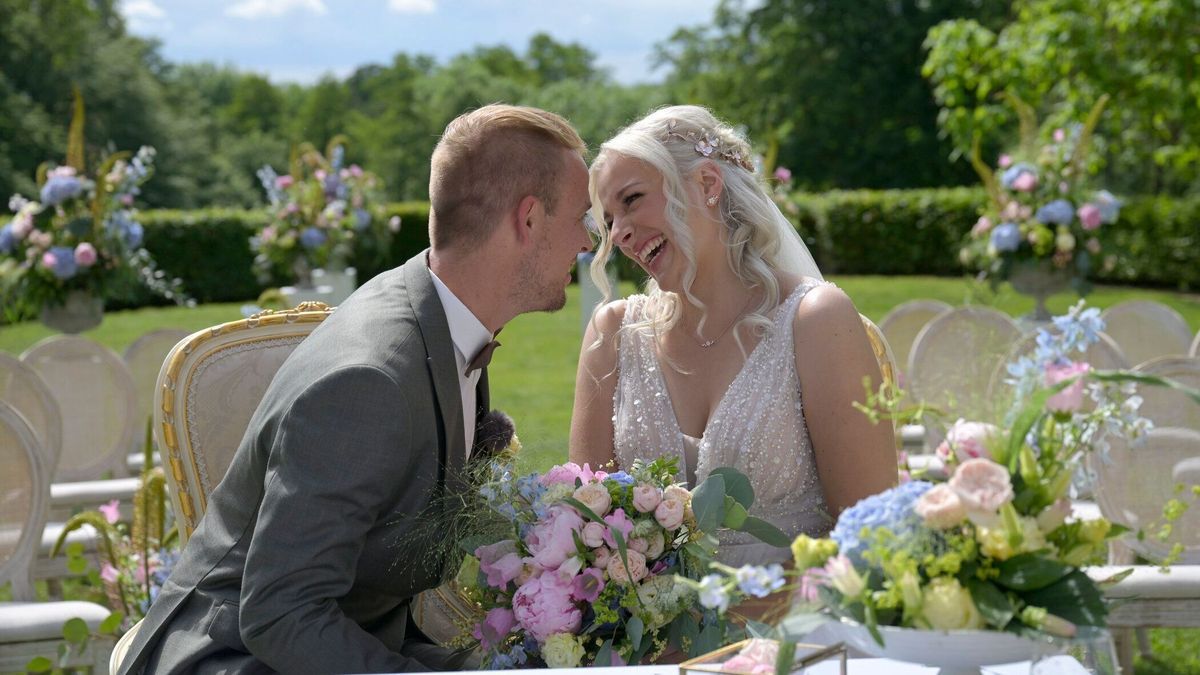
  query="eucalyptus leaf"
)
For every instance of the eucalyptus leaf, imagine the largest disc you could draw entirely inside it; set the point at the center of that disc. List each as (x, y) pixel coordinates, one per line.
(797, 626)
(757, 629)
(737, 485)
(735, 514)
(765, 532)
(709, 638)
(604, 655)
(634, 628)
(708, 501)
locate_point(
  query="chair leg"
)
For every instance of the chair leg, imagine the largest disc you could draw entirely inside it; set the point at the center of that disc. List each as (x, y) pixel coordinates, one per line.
(54, 589)
(1143, 641)
(1123, 640)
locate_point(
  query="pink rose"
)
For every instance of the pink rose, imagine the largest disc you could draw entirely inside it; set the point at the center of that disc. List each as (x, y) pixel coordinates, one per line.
(669, 514)
(1089, 216)
(111, 511)
(594, 496)
(966, 440)
(284, 182)
(499, 562)
(39, 239)
(563, 473)
(783, 174)
(543, 607)
(637, 567)
(1069, 399)
(1005, 161)
(85, 255)
(756, 658)
(494, 627)
(983, 225)
(602, 555)
(619, 521)
(109, 573)
(982, 486)
(1026, 182)
(941, 508)
(646, 497)
(656, 544)
(1011, 211)
(593, 534)
(22, 225)
(552, 540)
(49, 260)
(1059, 135)
(587, 586)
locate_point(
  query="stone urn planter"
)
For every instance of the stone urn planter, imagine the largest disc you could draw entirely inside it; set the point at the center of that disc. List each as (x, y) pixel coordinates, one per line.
(79, 312)
(1039, 279)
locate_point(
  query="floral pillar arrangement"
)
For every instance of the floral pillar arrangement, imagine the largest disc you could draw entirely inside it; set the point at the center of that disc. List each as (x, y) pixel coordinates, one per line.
(62, 253)
(319, 215)
(1039, 230)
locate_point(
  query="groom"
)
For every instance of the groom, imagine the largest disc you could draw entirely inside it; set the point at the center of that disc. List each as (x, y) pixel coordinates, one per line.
(312, 546)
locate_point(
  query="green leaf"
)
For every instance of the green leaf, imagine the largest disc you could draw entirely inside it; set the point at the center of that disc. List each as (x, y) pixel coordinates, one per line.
(689, 631)
(707, 502)
(737, 485)
(1030, 571)
(112, 623)
(709, 638)
(77, 565)
(757, 629)
(991, 602)
(1154, 380)
(634, 628)
(1025, 420)
(75, 631)
(873, 623)
(796, 626)
(785, 658)
(74, 549)
(1075, 598)
(604, 655)
(735, 514)
(39, 664)
(584, 510)
(765, 532)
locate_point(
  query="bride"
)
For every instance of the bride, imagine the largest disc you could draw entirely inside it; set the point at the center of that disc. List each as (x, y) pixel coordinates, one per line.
(738, 354)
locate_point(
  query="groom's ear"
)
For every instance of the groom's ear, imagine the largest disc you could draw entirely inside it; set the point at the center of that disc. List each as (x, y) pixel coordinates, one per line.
(530, 214)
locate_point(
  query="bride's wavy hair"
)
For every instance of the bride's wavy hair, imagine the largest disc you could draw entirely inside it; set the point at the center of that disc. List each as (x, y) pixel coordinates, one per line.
(666, 140)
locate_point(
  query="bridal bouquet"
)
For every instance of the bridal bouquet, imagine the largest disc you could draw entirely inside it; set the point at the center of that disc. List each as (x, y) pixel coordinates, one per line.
(995, 546)
(602, 568)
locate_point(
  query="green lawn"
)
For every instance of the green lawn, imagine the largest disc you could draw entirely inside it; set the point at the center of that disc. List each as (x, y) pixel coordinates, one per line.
(533, 375)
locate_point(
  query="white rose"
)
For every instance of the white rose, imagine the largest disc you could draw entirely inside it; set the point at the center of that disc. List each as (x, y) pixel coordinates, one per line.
(594, 496)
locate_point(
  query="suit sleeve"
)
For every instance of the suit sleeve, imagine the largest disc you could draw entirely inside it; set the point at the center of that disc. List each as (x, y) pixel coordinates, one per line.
(339, 455)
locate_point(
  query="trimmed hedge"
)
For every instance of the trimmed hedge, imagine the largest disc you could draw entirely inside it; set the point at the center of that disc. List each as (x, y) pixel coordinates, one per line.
(849, 232)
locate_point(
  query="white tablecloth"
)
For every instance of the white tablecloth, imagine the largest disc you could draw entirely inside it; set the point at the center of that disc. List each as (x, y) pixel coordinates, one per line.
(830, 667)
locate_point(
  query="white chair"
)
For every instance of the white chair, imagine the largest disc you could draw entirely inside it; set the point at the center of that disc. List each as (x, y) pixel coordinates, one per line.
(1195, 350)
(904, 322)
(145, 358)
(30, 629)
(96, 397)
(1145, 329)
(952, 362)
(1131, 489)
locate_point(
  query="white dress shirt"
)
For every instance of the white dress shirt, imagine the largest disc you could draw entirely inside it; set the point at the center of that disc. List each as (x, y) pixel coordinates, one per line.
(469, 336)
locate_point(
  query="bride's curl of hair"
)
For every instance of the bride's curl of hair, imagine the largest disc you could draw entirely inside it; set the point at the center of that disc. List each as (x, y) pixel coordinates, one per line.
(750, 218)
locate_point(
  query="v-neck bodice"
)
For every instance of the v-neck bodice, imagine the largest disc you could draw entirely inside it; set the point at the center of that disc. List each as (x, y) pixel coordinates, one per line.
(757, 427)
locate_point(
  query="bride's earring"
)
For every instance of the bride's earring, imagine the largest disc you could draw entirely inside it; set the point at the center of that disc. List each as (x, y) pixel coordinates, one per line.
(711, 201)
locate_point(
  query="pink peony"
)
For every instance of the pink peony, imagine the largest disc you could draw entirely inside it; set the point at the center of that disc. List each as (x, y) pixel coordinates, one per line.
(494, 627)
(1089, 216)
(111, 511)
(1026, 182)
(646, 497)
(563, 473)
(966, 440)
(587, 586)
(637, 567)
(669, 513)
(982, 486)
(552, 540)
(593, 534)
(594, 496)
(617, 520)
(499, 562)
(1069, 399)
(940, 507)
(85, 255)
(543, 607)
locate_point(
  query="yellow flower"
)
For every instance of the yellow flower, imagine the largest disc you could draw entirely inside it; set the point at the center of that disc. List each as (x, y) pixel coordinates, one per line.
(946, 605)
(808, 552)
(1094, 531)
(562, 650)
(993, 542)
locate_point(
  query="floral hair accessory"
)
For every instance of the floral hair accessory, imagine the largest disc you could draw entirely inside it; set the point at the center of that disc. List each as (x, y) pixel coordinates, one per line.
(708, 144)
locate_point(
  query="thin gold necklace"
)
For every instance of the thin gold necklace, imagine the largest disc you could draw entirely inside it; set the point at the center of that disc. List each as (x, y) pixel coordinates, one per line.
(705, 344)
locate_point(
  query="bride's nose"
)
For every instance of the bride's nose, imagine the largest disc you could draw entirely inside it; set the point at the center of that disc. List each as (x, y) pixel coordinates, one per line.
(622, 232)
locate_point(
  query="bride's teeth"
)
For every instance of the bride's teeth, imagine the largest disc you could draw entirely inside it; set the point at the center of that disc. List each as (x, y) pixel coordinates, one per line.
(645, 254)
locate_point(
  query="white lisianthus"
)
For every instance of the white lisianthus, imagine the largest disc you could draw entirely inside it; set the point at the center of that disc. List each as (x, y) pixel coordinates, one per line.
(844, 577)
(946, 605)
(562, 650)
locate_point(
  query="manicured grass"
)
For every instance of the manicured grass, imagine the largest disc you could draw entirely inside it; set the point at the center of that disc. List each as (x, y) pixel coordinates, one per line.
(533, 375)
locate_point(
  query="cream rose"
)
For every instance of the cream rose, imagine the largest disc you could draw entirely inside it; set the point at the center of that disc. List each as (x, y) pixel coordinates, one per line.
(592, 534)
(669, 513)
(637, 567)
(941, 508)
(594, 496)
(656, 544)
(562, 650)
(946, 605)
(982, 485)
(646, 497)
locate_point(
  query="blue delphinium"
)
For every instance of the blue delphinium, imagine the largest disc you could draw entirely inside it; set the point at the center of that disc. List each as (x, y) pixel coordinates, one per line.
(892, 510)
(267, 176)
(1057, 212)
(7, 239)
(1075, 331)
(1006, 237)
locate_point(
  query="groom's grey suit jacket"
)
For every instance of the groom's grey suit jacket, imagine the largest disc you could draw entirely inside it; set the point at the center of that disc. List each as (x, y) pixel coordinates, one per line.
(314, 543)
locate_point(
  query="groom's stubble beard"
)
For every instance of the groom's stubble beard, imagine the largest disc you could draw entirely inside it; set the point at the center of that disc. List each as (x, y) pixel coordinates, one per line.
(535, 291)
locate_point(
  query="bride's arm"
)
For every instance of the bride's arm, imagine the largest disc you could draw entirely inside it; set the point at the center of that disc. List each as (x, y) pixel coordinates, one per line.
(595, 384)
(855, 458)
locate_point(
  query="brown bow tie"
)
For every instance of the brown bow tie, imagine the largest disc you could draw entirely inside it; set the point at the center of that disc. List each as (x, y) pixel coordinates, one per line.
(483, 358)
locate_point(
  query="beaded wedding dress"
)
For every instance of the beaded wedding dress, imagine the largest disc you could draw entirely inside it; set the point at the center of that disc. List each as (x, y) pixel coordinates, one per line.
(757, 428)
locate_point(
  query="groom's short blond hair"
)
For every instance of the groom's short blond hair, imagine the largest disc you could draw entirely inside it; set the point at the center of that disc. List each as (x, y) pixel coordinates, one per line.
(486, 161)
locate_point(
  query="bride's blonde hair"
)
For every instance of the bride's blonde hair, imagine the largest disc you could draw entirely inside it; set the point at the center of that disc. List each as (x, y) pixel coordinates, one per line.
(670, 140)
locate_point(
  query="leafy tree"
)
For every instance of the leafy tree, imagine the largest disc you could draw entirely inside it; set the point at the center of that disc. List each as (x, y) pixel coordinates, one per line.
(1061, 56)
(256, 105)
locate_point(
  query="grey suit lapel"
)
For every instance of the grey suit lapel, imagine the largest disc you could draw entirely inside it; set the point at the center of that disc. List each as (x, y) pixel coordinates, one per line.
(443, 369)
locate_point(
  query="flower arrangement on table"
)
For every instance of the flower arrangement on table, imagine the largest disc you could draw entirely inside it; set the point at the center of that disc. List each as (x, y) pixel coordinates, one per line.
(994, 547)
(81, 234)
(602, 568)
(1041, 212)
(319, 214)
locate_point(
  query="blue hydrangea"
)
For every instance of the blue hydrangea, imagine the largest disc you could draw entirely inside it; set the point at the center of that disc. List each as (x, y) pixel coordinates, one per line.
(622, 478)
(7, 239)
(64, 262)
(1006, 237)
(312, 237)
(60, 188)
(1109, 205)
(134, 234)
(337, 157)
(892, 510)
(362, 219)
(1012, 173)
(1057, 212)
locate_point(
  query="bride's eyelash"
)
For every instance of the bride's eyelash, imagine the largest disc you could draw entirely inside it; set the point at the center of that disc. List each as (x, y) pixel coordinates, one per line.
(630, 197)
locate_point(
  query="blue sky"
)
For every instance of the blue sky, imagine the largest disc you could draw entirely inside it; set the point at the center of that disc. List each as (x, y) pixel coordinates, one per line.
(299, 40)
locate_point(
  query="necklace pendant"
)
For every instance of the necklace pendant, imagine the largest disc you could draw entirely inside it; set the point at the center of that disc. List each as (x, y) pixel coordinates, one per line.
(707, 343)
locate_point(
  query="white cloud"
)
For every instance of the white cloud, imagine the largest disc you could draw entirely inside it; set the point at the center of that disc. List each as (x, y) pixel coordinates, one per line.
(257, 9)
(413, 6)
(142, 9)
